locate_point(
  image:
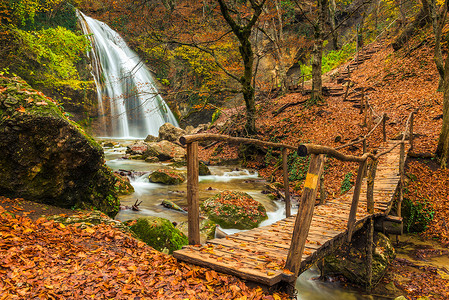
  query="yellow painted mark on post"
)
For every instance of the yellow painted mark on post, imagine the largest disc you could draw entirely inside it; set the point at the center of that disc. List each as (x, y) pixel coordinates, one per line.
(311, 181)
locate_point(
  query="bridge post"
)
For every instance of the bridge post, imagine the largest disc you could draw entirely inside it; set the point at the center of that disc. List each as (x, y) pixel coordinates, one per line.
(355, 198)
(288, 212)
(384, 121)
(401, 177)
(192, 194)
(370, 186)
(304, 215)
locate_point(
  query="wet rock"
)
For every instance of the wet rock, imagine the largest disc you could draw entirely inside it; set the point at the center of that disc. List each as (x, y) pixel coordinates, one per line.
(232, 209)
(165, 150)
(46, 157)
(168, 177)
(151, 159)
(203, 169)
(171, 205)
(350, 260)
(151, 138)
(170, 132)
(159, 233)
(138, 148)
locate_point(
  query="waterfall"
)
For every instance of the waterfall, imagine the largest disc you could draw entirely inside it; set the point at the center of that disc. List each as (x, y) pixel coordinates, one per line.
(128, 102)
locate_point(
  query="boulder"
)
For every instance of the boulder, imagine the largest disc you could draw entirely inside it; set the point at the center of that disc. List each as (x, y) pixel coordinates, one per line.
(203, 169)
(234, 210)
(86, 219)
(350, 260)
(138, 148)
(151, 138)
(168, 177)
(47, 158)
(159, 233)
(165, 150)
(170, 132)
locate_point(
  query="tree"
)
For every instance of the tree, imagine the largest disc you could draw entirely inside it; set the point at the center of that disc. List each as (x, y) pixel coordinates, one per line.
(442, 151)
(242, 29)
(438, 21)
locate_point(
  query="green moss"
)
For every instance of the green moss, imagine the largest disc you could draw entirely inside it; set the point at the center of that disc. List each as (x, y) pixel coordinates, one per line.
(168, 177)
(234, 210)
(159, 233)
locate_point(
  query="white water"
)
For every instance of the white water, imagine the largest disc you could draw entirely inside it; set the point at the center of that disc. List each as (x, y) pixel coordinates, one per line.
(129, 103)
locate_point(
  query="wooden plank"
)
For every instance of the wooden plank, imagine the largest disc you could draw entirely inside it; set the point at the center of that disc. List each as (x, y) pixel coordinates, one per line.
(229, 267)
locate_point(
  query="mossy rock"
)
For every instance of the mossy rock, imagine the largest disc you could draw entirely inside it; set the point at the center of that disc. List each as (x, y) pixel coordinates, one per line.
(350, 260)
(207, 229)
(89, 219)
(123, 185)
(234, 210)
(168, 177)
(48, 158)
(203, 169)
(159, 233)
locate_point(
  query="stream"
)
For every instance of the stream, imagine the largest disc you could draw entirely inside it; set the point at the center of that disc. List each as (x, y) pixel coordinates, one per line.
(222, 178)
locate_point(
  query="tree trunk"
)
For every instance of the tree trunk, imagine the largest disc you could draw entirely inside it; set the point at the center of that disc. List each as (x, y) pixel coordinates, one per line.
(443, 141)
(421, 19)
(317, 85)
(248, 90)
(438, 21)
(332, 12)
(243, 34)
(317, 51)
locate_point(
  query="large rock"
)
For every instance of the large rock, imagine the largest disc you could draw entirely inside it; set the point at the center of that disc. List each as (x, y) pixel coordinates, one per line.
(350, 260)
(47, 158)
(170, 132)
(165, 150)
(168, 177)
(234, 210)
(159, 233)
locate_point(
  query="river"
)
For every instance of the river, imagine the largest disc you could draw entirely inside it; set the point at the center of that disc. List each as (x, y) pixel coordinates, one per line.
(222, 178)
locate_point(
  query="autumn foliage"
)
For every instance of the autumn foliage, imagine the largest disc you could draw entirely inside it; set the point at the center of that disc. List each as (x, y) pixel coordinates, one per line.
(47, 260)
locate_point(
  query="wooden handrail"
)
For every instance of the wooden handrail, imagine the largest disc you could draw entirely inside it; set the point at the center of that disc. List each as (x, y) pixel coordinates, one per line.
(384, 116)
(186, 139)
(306, 149)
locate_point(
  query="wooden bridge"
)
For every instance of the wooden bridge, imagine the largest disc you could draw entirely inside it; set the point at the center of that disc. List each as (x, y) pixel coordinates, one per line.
(280, 252)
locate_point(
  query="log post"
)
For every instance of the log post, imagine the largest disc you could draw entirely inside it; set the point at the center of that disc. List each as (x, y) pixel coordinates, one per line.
(355, 199)
(384, 121)
(286, 183)
(323, 194)
(370, 187)
(369, 261)
(401, 177)
(411, 132)
(192, 194)
(304, 215)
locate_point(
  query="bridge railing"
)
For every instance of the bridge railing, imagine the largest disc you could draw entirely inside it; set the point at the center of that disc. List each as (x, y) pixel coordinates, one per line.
(307, 203)
(191, 141)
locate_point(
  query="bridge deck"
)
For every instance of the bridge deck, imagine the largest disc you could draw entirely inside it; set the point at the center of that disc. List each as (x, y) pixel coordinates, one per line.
(259, 254)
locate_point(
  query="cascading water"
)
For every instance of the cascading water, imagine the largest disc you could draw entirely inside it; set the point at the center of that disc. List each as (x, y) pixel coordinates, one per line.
(129, 103)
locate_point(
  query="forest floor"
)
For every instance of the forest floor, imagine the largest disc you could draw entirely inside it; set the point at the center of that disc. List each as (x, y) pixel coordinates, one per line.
(50, 260)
